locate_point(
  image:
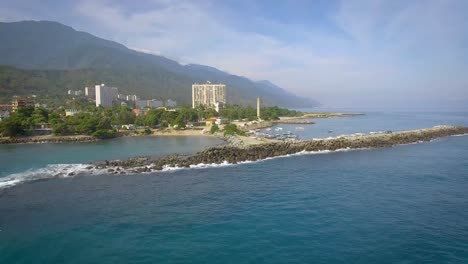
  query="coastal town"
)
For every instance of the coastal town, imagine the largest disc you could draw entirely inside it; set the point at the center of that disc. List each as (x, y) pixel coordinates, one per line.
(102, 112)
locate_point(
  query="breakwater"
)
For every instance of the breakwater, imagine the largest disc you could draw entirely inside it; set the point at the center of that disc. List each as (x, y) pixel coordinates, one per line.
(47, 139)
(295, 121)
(231, 154)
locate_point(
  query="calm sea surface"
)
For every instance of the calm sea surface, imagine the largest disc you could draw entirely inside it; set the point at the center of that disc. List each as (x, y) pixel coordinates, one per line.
(407, 204)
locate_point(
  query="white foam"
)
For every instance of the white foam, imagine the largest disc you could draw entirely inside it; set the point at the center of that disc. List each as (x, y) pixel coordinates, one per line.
(71, 170)
(50, 171)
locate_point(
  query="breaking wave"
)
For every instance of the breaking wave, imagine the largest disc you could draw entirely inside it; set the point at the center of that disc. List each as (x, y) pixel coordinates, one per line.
(48, 172)
(71, 170)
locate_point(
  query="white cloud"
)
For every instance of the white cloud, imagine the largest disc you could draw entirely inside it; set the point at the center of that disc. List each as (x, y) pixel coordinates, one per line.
(390, 48)
(11, 15)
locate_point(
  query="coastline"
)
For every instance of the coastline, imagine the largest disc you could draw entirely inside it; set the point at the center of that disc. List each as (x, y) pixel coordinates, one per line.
(232, 154)
(85, 138)
(303, 120)
(47, 139)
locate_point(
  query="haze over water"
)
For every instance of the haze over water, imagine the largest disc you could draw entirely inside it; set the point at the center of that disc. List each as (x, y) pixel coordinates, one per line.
(405, 204)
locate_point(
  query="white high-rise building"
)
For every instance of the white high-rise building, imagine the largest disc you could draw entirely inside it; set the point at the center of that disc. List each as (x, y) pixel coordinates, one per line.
(105, 95)
(90, 92)
(208, 95)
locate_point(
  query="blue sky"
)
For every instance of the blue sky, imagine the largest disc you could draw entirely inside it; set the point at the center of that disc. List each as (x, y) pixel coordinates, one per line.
(353, 53)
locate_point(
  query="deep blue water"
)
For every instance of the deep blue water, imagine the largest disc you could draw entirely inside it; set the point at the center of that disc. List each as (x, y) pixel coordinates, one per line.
(407, 204)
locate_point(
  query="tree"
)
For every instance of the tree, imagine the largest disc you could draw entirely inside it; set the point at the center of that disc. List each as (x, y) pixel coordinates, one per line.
(60, 128)
(40, 115)
(214, 129)
(148, 131)
(104, 123)
(104, 133)
(25, 111)
(231, 129)
(153, 117)
(12, 126)
(179, 122)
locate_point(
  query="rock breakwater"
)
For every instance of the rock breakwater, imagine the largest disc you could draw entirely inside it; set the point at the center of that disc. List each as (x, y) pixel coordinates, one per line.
(47, 139)
(232, 154)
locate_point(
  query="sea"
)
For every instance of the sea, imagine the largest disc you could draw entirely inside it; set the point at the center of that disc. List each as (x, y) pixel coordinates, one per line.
(405, 204)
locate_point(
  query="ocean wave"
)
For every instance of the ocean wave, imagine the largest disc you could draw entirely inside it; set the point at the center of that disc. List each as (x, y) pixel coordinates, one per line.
(462, 135)
(50, 171)
(71, 170)
(226, 163)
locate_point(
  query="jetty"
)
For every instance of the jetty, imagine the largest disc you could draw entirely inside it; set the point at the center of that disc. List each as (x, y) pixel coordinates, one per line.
(234, 154)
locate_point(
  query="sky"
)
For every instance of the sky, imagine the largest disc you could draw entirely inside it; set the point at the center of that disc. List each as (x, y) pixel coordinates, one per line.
(349, 53)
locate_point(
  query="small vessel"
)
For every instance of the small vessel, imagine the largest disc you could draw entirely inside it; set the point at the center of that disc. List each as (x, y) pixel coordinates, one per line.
(330, 131)
(299, 128)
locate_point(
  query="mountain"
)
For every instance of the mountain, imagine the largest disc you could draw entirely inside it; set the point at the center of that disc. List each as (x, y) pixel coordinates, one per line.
(53, 58)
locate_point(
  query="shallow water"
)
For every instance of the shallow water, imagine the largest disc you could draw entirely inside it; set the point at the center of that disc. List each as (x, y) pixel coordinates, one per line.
(405, 204)
(16, 158)
(374, 121)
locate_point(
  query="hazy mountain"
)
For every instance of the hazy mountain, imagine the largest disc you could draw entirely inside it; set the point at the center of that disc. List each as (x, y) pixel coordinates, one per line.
(63, 58)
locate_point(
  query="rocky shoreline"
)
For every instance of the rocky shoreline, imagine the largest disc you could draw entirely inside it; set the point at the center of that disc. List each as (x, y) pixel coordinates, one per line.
(86, 138)
(47, 139)
(294, 121)
(231, 154)
(329, 115)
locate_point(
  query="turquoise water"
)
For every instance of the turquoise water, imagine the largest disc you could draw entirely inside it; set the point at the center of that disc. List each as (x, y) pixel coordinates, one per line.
(406, 204)
(18, 158)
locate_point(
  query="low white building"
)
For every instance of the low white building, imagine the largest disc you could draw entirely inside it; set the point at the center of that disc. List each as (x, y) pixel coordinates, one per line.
(71, 112)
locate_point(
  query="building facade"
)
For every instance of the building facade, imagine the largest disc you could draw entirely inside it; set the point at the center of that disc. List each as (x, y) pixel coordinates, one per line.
(153, 103)
(208, 95)
(171, 103)
(71, 112)
(90, 92)
(105, 95)
(18, 103)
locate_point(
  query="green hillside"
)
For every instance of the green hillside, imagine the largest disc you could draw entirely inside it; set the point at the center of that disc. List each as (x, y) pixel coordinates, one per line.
(52, 58)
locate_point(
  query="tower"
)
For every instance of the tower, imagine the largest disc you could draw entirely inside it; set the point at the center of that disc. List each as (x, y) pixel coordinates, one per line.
(258, 107)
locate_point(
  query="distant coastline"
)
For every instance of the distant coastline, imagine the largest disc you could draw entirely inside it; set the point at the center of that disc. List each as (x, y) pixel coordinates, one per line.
(305, 119)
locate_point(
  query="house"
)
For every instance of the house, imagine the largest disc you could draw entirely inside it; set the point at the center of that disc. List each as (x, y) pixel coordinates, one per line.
(210, 121)
(42, 129)
(71, 112)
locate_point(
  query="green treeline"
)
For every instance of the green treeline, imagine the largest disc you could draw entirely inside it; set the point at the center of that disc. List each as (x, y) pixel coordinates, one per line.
(104, 122)
(236, 112)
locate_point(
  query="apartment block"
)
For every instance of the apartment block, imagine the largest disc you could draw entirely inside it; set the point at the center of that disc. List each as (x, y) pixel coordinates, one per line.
(208, 95)
(105, 95)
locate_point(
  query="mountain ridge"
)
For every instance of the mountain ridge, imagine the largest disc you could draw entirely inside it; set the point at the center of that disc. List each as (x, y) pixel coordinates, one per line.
(51, 48)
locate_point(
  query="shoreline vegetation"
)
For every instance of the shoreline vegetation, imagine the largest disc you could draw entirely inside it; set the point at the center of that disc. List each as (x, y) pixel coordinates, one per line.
(239, 140)
(231, 154)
